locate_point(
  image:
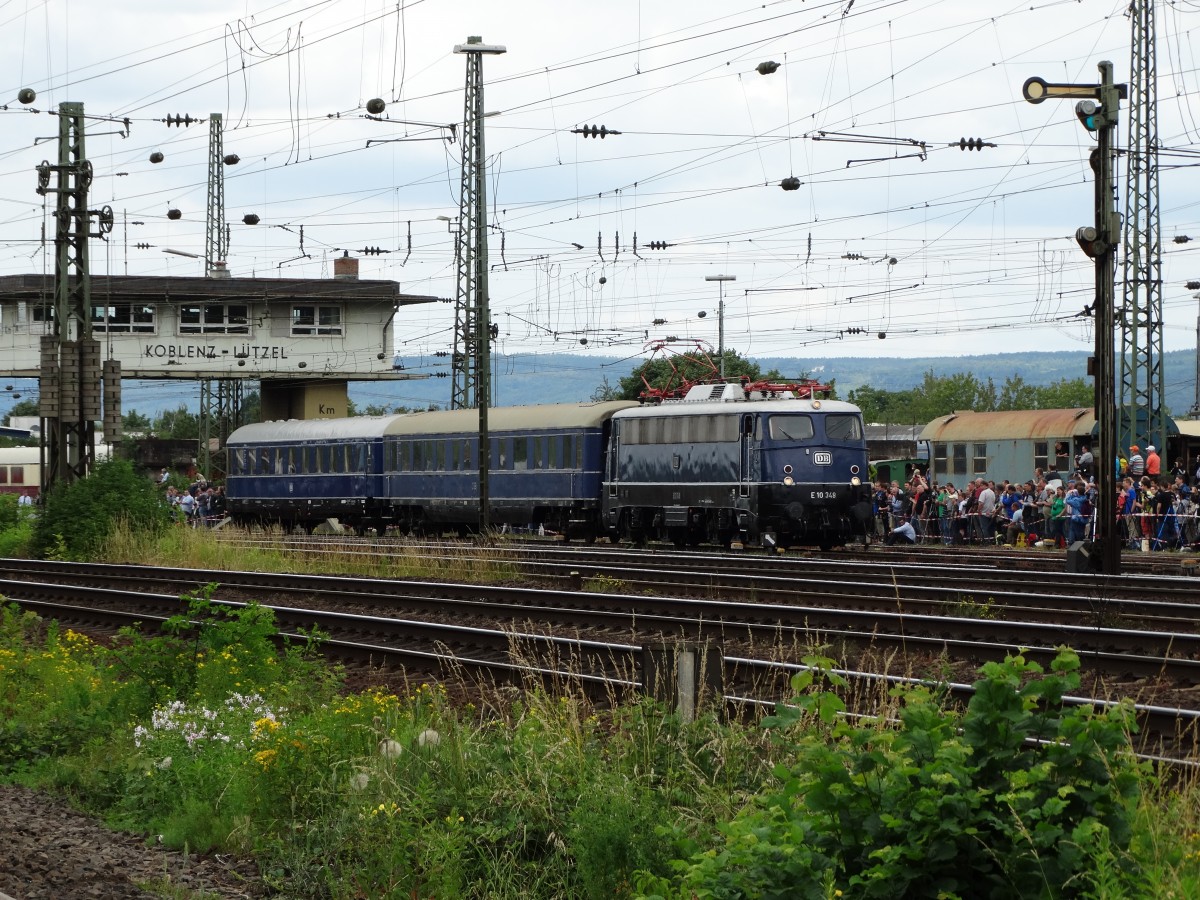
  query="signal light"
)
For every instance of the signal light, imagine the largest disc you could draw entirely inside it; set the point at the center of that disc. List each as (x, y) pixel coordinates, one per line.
(1091, 115)
(1089, 241)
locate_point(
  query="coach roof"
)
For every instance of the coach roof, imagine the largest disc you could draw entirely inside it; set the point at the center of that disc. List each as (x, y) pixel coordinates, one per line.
(548, 417)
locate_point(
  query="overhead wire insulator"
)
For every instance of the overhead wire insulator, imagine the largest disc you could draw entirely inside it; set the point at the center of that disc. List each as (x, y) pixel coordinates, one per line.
(659, 245)
(791, 183)
(853, 256)
(250, 219)
(142, 245)
(372, 251)
(179, 121)
(1193, 285)
(972, 144)
(769, 67)
(600, 131)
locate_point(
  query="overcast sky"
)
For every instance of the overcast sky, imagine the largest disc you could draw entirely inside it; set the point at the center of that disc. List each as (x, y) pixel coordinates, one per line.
(894, 230)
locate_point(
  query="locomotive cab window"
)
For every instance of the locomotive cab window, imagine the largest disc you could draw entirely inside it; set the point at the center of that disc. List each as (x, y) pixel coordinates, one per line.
(843, 428)
(791, 428)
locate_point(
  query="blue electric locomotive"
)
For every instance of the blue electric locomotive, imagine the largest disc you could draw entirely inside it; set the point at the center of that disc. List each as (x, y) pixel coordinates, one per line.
(728, 464)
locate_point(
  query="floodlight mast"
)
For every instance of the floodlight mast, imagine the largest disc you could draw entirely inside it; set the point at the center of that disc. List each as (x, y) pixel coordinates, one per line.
(721, 279)
(471, 362)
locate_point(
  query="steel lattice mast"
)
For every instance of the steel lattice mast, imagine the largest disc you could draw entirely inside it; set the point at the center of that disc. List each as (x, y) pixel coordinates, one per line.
(470, 363)
(70, 357)
(1142, 400)
(472, 323)
(221, 398)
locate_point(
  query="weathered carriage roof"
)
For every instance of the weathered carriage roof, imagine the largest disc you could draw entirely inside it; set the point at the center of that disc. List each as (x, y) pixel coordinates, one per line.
(311, 430)
(458, 421)
(509, 418)
(725, 407)
(1024, 424)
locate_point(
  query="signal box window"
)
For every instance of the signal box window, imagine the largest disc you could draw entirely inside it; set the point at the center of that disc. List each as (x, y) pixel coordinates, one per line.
(123, 318)
(316, 320)
(215, 318)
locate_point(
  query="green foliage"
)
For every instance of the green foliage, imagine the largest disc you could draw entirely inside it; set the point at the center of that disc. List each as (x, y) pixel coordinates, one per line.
(16, 526)
(177, 424)
(78, 517)
(660, 372)
(1020, 796)
(941, 395)
(134, 421)
(22, 408)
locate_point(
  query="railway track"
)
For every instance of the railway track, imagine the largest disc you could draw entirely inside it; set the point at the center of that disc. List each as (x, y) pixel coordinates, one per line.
(596, 638)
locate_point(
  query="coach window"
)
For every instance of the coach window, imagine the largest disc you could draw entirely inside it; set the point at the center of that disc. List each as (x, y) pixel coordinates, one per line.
(418, 456)
(4, 474)
(453, 462)
(979, 461)
(960, 459)
(439, 458)
(520, 453)
(466, 454)
(538, 460)
(939, 459)
(1041, 454)
(556, 452)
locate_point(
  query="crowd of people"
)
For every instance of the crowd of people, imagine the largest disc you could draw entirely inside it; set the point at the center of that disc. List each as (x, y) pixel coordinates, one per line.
(1156, 510)
(199, 504)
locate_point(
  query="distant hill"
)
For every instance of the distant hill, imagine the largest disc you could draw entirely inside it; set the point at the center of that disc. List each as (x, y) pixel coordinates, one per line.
(563, 378)
(574, 377)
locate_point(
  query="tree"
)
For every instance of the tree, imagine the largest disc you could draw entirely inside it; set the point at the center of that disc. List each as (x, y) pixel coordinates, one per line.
(667, 372)
(177, 424)
(22, 408)
(135, 421)
(605, 392)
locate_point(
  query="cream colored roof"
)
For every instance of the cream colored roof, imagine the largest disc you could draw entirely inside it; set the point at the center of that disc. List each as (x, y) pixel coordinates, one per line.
(1010, 425)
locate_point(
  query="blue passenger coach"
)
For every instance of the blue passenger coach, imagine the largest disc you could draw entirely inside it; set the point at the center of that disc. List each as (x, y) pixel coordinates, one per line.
(301, 472)
(727, 464)
(545, 468)
(420, 471)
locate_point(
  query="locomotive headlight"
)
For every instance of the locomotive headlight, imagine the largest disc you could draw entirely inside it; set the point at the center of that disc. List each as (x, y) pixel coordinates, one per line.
(855, 481)
(789, 480)
(816, 404)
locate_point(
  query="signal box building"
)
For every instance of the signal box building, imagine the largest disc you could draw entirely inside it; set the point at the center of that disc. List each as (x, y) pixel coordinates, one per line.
(304, 339)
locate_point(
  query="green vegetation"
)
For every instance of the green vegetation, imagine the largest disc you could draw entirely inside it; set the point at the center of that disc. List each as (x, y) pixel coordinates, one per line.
(76, 519)
(942, 395)
(212, 738)
(668, 372)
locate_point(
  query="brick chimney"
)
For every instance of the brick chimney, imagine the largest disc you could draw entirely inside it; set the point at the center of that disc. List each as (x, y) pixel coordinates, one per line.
(345, 267)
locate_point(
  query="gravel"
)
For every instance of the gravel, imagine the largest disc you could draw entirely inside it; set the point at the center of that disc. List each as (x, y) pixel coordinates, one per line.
(50, 851)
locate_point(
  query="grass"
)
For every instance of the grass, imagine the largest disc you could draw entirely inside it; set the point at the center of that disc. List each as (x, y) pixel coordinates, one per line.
(269, 551)
(216, 740)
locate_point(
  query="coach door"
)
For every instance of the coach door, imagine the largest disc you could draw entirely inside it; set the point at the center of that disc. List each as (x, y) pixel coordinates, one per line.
(614, 432)
(746, 431)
